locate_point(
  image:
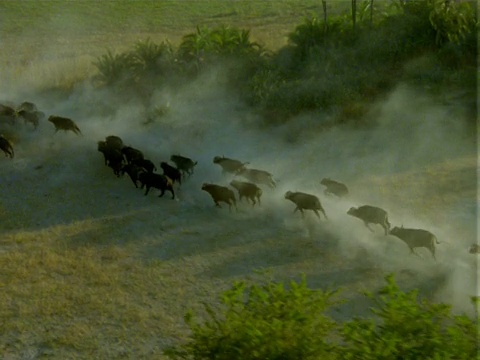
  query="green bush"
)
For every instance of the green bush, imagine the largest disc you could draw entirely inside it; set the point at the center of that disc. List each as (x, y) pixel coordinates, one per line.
(325, 67)
(114, 68)
(263, 322)
(276, 322)
(145, 63)
(452, 20)
(210, 43)
(151, 59)
(409, 328)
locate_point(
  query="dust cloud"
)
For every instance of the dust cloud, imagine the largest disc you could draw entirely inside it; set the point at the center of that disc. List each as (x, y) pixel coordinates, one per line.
(61, 178)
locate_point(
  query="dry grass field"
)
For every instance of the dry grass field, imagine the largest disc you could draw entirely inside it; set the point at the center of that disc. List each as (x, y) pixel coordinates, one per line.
(92, 268)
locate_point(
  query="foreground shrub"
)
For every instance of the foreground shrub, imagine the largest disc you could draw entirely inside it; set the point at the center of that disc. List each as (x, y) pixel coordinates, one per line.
(263, 322)
(273, 322)
(410, 328)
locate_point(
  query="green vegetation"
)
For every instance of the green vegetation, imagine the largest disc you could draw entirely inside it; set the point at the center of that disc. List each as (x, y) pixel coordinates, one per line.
(165, 19)
(328, 66)
(276, 322)
(263, 322)
(333, 63)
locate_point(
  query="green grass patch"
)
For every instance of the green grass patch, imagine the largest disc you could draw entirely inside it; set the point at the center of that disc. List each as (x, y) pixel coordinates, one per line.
(88, 18)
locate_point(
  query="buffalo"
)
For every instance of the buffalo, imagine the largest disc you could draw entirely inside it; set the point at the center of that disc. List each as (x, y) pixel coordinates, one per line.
(371, 215)
(115, 161)
(114, 142)
(30, 114)
(157, 181)
(334, 187)
(229, 165)
(220, 194)
(32, 117)
(133, 172)
(146, 164)
(249, 190)
(184, 164)
(65, 124)
(257, 176)
(474, 249)
(27, 106)
(7, 114)
(131, 154)
(172, 172)
(415, 238)
(6, 146)
(305, 201)
(109, 153)
(112, 156)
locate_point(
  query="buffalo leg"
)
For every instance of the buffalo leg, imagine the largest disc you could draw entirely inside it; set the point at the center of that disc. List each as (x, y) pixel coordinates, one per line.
(368, 226)
(324, 214)
(412, 251)
(385, 227)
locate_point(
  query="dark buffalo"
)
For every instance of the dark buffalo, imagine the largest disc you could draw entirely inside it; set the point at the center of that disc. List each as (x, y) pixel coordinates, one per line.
(229, 165)
(172, 172)
(27, 106)
(220, 194)
(65, 124)
(305, 201)
(474, 249)
(109, 153)
(371, 215)
(146, 164)
(114, 142)
(6, 146)
(7, 114)
(260, 177)
(157, 181)
(32, 117)
(133, 172)
(415, 238)
(334, 187)
(184, 164)
(131, 154)
(249, 190)
(113, 157)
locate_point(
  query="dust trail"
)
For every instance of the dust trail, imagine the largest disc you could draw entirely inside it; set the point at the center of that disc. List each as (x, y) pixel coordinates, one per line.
(414, 131)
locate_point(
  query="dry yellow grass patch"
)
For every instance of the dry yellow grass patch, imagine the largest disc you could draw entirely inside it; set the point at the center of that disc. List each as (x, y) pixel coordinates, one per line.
(66, 300)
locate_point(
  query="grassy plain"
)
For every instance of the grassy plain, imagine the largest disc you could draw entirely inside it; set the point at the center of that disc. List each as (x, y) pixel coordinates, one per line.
(93, 26)
(55, 42)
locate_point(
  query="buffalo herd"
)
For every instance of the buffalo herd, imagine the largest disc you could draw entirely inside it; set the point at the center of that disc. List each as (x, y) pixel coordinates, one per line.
(126, 159)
